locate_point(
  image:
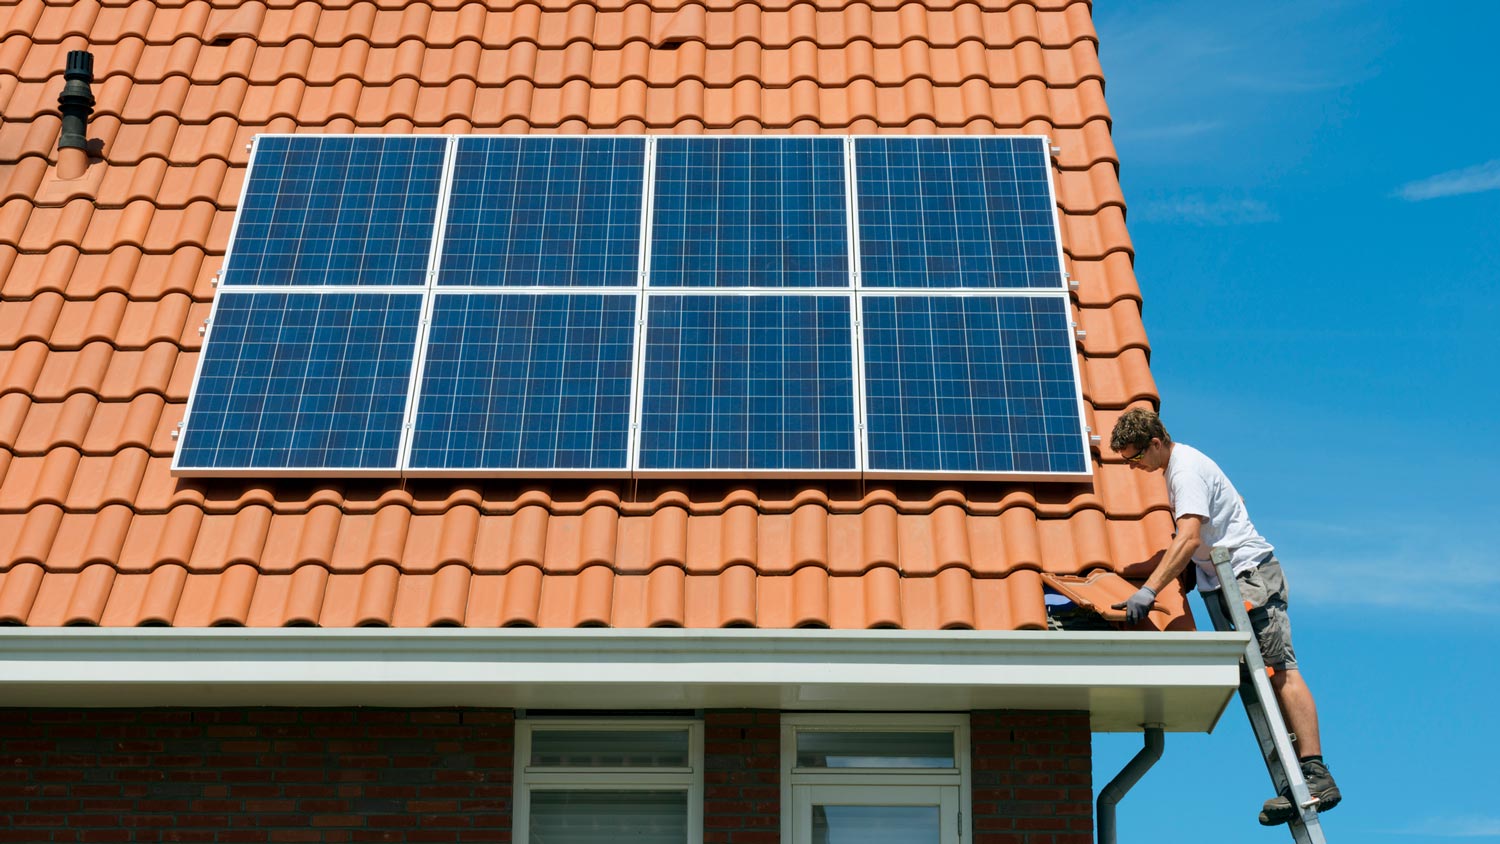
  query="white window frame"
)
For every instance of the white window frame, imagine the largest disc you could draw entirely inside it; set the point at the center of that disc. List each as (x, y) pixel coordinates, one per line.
(951, 788)
(529, 778)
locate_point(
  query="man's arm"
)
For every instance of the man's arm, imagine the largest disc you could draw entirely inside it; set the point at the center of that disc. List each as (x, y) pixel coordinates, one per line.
(1179, 555)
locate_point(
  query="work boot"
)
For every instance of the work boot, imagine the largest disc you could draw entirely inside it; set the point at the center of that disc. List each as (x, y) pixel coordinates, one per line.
(1320, 784)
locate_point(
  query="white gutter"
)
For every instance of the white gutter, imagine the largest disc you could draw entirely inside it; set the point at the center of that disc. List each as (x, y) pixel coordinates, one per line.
(1180, 680)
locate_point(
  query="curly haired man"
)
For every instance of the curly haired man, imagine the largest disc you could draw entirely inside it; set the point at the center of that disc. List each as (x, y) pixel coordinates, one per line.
(1209, 512)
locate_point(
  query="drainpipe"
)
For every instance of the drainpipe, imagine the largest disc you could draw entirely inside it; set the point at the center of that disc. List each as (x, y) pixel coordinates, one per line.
(76, 104)
(1125, 780)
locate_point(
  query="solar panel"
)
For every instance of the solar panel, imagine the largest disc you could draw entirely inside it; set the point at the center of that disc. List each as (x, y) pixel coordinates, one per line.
(749, 212)
(749, 362)
(956, 212)
(545, 211)
(302, 381)
(337, 210)
(758, 383)
(971, 383)
(526, 381)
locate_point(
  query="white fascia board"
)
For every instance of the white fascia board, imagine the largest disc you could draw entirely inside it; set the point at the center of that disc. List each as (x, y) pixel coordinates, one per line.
(1179, 680)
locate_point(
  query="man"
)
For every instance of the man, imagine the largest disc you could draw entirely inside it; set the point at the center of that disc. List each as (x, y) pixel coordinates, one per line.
(1209, 513)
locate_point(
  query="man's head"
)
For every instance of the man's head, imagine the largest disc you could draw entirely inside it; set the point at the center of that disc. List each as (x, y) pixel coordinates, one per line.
(1142, 440)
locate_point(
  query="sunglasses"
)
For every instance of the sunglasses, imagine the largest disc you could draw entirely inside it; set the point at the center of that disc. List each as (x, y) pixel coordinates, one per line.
(1139, 455)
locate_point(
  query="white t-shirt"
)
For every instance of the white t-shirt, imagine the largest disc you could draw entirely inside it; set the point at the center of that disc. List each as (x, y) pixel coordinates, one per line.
(1196, 486)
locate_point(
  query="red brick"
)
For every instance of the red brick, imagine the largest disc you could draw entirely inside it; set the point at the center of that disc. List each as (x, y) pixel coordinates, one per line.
(1032, 776)
(337, 820)
(242, 836)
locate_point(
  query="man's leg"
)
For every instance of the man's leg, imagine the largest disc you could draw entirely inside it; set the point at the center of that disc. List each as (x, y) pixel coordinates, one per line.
(1300, 710)
(1273, 631)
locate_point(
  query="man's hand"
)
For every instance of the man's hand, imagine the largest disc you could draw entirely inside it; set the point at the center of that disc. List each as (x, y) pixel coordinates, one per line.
(1137, 605)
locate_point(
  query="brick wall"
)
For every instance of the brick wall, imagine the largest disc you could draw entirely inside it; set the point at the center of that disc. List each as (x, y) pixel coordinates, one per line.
(1032, 782)
(256, 775)
(741, 777)
(437, 775)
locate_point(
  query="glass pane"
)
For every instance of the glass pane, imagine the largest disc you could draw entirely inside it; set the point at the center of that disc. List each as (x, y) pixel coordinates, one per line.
(609, 748)
(874, 750)
(598, 817)
(876, 825)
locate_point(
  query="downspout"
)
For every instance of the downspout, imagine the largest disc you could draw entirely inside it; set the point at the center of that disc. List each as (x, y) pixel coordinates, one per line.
(1131, 774)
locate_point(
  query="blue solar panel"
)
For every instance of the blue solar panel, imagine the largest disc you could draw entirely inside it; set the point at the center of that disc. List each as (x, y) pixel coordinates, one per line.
(303, 381)
(748, 383)
(526, 381)
(971, 384)
(955, 212)
(538, 211)
(338, 211)
(749, 212)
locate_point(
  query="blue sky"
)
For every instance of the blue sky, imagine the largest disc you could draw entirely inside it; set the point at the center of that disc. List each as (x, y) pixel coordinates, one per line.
(1314, 195)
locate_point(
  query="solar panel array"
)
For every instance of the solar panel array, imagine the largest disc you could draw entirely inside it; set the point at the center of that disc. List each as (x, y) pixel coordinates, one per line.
(616, 305)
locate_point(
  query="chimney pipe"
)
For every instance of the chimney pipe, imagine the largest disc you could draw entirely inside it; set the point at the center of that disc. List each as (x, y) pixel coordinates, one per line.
(77, 100)
(76, 104)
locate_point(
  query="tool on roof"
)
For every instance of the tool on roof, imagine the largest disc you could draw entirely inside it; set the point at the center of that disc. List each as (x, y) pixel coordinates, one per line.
(1229, 612)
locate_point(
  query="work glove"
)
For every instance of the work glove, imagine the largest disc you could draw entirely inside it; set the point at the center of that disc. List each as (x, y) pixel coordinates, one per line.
(1137, 605)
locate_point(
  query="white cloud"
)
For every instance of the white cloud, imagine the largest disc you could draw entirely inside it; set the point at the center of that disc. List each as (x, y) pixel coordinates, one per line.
(1197, 210)
(1476, 179)
(1461, 826)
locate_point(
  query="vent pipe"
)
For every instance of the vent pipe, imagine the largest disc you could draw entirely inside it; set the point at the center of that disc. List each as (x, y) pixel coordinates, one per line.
(76, 104)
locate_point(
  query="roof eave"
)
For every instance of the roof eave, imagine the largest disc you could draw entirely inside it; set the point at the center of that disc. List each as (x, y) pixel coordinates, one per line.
(1182, 681)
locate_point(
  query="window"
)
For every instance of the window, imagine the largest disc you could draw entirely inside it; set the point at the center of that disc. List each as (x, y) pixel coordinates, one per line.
(874, 779)
(589, 782)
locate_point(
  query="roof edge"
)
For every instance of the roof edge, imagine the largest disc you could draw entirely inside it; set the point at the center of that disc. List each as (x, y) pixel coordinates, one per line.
(1124, 680)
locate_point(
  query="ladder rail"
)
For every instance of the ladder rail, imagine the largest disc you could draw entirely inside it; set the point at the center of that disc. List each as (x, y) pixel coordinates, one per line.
(1261, 706)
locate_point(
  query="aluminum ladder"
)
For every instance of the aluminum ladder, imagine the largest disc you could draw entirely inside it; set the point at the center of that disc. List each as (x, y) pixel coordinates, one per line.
(1227, 609)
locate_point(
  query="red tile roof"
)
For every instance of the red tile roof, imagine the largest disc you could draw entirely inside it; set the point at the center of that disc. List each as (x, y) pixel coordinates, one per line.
(106, 280)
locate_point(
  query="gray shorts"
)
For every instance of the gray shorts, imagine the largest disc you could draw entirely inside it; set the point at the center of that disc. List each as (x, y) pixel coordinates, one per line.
(1264, 587)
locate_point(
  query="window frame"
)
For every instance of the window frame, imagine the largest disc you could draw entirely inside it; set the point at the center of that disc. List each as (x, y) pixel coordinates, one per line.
(528, 778)
(801, 786)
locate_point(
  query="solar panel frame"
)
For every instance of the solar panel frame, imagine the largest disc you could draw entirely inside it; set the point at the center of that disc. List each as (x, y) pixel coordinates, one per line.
(872, 473)
(810, 213)
(437, 289)
(648, 145)
(434, 259)
(409, 466)
(1062, 292)
(257, 149)
(177, 468)
(180, 469)
(639, 385)
(1045, 144)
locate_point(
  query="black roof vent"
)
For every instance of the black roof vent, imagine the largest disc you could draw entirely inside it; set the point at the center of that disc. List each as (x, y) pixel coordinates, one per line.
(77, 100)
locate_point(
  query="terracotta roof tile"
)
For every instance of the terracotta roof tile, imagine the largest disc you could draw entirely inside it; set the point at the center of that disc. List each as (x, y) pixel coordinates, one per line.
(107, 279)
